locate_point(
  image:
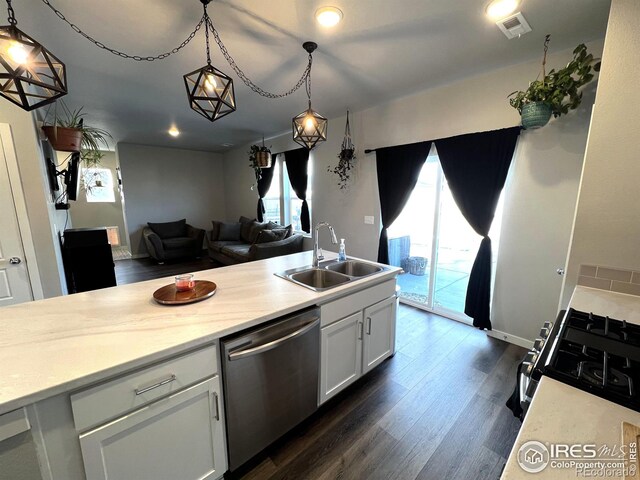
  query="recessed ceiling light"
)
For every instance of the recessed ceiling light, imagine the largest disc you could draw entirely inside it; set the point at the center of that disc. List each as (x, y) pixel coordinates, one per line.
(329, 16)
(501, 8)
(173, 131)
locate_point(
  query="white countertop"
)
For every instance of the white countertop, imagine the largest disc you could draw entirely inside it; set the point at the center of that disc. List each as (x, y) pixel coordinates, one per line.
(59, 344)
(560, 413)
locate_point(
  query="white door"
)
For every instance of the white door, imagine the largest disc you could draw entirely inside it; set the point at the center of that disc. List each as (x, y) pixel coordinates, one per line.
(178, 437)
(379, 333)
(340, 355)
(15, 286)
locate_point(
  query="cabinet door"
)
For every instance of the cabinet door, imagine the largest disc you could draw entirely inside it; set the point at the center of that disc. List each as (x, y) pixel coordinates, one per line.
(180, 436)
(379, 333)
(340, 355)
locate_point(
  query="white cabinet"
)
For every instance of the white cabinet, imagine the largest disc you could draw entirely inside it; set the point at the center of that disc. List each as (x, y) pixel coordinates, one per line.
(179, 436)
(340, 354)
(379, 333)
(358, 333)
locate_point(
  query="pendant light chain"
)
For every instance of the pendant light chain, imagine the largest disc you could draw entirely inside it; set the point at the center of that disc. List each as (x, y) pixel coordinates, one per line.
(247, 81)
(207, 20)
(101, 45)
(12, 14)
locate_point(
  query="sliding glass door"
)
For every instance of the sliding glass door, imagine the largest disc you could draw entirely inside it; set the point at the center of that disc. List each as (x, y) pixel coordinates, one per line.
(435, 245)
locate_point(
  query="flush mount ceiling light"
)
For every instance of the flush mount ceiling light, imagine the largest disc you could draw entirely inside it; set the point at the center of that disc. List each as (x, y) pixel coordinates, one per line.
(501, 8)
(30, 75)
(309, 127)
(329, 16)
(173, 131)
(209, 90)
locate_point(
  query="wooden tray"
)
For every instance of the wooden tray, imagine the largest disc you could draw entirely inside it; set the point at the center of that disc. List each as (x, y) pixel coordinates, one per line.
(168, 295)
(631, 435)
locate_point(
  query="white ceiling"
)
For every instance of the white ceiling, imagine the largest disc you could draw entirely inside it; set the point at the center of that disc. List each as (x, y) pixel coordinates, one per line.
(381, 50)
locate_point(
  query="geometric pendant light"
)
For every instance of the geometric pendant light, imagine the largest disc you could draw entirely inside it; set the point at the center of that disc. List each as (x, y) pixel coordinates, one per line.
(309, 127)
(30, 75)
(209, 90)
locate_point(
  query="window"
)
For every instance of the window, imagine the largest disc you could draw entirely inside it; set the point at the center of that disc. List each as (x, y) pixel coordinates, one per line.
(98, 185)
(281, 203)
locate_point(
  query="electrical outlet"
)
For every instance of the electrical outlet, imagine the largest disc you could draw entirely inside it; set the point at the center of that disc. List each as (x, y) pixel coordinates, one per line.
(368, 219)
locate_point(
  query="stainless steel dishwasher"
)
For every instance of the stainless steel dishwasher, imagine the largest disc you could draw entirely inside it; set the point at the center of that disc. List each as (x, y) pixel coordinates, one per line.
(270, 377)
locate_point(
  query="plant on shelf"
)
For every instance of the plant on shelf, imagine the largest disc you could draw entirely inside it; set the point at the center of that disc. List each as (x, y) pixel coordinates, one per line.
(346, 158)
(259, 158)
(67, 132)
(558, 91)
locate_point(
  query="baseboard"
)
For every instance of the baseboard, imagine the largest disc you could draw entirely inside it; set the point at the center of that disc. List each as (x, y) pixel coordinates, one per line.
(507, 337)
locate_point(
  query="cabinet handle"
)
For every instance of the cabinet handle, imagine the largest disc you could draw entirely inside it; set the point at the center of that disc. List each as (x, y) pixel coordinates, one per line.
(360, 327)
(215, 402)
(156, 385)
(368, 325)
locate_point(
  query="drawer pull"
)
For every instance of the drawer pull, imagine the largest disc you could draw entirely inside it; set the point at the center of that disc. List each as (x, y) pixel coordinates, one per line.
(215, 401)
(156, 385)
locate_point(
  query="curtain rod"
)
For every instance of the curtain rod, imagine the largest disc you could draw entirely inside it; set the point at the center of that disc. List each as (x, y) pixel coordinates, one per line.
(372, 150)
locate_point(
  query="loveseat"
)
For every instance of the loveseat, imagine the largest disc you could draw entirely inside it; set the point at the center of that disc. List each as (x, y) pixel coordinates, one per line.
(248, 240)
(172, 240)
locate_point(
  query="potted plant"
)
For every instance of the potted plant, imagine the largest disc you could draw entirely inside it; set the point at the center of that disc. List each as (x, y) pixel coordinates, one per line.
(259, 158)
(67, 132)
(558, 91)
(346, 158)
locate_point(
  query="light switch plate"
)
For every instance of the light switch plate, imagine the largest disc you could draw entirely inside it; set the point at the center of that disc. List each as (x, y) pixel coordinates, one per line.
(368, 220)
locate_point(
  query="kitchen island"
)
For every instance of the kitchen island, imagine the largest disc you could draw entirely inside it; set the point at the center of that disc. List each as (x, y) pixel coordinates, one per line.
(562, 414)
(56, 349)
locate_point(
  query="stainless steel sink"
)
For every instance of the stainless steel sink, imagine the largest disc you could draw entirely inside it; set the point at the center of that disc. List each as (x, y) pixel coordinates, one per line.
(319, 279)
(330, 274)
(354, 268)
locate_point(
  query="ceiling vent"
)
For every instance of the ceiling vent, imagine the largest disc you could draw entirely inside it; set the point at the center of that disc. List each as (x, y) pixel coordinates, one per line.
(514, 25)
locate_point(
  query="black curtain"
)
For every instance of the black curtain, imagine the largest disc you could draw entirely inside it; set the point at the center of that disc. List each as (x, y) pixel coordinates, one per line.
(297, 161)
(476, 166)
(398, 171)
(264, 184)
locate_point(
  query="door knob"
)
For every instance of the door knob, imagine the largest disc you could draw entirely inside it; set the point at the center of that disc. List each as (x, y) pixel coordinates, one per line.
(15, 260)
(560, 271)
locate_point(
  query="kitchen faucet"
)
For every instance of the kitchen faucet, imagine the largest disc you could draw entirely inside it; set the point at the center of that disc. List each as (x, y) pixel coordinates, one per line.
(334, 240)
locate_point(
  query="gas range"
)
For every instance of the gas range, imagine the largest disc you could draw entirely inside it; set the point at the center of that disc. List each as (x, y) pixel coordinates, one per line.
(596, 354)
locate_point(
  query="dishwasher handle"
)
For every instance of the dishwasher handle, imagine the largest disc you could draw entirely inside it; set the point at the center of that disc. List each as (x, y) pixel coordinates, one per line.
(248, 352)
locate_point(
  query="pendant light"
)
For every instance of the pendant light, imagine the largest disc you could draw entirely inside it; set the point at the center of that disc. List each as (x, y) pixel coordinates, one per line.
(309, 127)
(209, 90)
(30, 75)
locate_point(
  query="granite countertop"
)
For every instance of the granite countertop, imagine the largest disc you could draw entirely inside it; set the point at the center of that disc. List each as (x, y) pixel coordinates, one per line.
(562, 414)
(59, 344)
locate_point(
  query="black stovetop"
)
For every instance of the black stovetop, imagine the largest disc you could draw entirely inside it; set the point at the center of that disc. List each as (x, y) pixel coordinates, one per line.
(598, 354)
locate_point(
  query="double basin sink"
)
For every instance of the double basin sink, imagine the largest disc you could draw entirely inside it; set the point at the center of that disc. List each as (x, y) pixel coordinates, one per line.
(330, 274)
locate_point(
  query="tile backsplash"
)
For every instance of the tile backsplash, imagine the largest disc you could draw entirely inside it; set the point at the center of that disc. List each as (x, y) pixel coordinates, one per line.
(607, 278)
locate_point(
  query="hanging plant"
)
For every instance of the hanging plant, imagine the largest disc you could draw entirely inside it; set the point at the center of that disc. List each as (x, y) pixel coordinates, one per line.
(259, 158)
(346, 158)
(557, 92)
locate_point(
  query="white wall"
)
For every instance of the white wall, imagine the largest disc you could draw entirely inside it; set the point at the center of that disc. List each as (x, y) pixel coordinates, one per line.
(607, 222)
(44, 220)
(166, 184)
(544, 179)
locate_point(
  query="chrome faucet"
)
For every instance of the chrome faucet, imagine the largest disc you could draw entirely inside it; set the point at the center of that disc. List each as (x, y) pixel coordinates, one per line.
(334, 240)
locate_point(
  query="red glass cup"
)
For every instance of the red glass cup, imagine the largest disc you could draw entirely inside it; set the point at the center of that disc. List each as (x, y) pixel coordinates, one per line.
(184, 283)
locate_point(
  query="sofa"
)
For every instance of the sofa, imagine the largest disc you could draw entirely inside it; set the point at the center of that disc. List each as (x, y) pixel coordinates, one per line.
(173, 240)
(247, 240)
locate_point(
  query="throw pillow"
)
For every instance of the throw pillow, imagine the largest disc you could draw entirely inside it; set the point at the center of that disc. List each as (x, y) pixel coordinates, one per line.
(256, 228)
(266, 236)
(273, 225)
(170, 229)
(281, 232)
(215, 232)
(229, 231)
(289, 229)
(246, 228)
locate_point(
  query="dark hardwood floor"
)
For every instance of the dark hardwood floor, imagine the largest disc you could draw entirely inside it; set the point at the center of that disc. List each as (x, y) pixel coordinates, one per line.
(140, 269)
(433, 411)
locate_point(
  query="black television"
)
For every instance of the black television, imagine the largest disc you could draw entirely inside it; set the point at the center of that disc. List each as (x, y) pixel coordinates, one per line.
(52, 175)
(72, 176)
